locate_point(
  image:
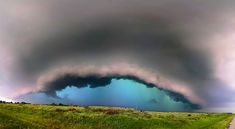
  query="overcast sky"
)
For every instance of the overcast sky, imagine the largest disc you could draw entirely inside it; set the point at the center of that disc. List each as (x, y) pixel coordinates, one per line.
(184, 46)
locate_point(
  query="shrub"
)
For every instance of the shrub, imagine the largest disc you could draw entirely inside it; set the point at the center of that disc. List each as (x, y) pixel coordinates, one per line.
(60, 104)
(71, 109)
(112, 112)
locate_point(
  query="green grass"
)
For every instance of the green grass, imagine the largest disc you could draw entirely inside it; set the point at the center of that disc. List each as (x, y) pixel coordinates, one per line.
(21, 116)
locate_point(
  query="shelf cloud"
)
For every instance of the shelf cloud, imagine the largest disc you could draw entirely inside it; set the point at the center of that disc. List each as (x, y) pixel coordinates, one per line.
(184, 47)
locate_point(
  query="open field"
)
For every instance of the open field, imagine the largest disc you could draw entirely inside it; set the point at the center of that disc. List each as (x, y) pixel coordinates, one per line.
(14, 116)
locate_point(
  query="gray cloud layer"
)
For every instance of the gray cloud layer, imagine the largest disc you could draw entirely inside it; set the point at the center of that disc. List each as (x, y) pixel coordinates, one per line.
(144, 40)
(168, 38)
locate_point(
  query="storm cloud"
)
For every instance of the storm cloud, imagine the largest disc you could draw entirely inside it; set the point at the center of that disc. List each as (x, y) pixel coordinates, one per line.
(177, 46)
(94, 76)
(138, 38)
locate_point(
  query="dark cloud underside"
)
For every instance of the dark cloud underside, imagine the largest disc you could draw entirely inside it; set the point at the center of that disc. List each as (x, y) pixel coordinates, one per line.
(150, 41)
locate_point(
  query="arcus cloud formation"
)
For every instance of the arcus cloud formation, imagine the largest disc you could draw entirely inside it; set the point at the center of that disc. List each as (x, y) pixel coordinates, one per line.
(47, 82)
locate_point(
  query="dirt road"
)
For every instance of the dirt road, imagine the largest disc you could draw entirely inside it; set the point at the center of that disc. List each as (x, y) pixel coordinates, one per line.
(232, 125)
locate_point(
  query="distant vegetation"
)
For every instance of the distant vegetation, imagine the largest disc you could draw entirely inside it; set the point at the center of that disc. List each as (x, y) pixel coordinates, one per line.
(13, 102)
(21, 116)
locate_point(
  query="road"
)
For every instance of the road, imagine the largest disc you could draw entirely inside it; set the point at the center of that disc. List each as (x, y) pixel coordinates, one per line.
(232, 125)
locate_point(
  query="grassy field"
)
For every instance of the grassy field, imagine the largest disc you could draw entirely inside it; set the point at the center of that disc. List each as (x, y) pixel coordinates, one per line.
(21, 116)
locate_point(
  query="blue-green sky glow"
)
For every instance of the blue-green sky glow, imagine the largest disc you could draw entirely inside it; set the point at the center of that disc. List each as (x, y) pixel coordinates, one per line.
(122, 92)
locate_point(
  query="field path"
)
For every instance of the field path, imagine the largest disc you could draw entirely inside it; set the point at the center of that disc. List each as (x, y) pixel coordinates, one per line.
(232, 125)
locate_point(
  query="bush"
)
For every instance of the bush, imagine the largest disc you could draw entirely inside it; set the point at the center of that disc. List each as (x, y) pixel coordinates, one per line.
(59, 110)
(72, 109)
(112, 112)
(60, 104)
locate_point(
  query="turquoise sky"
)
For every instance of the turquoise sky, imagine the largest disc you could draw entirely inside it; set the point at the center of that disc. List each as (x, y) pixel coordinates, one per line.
(122, 92)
